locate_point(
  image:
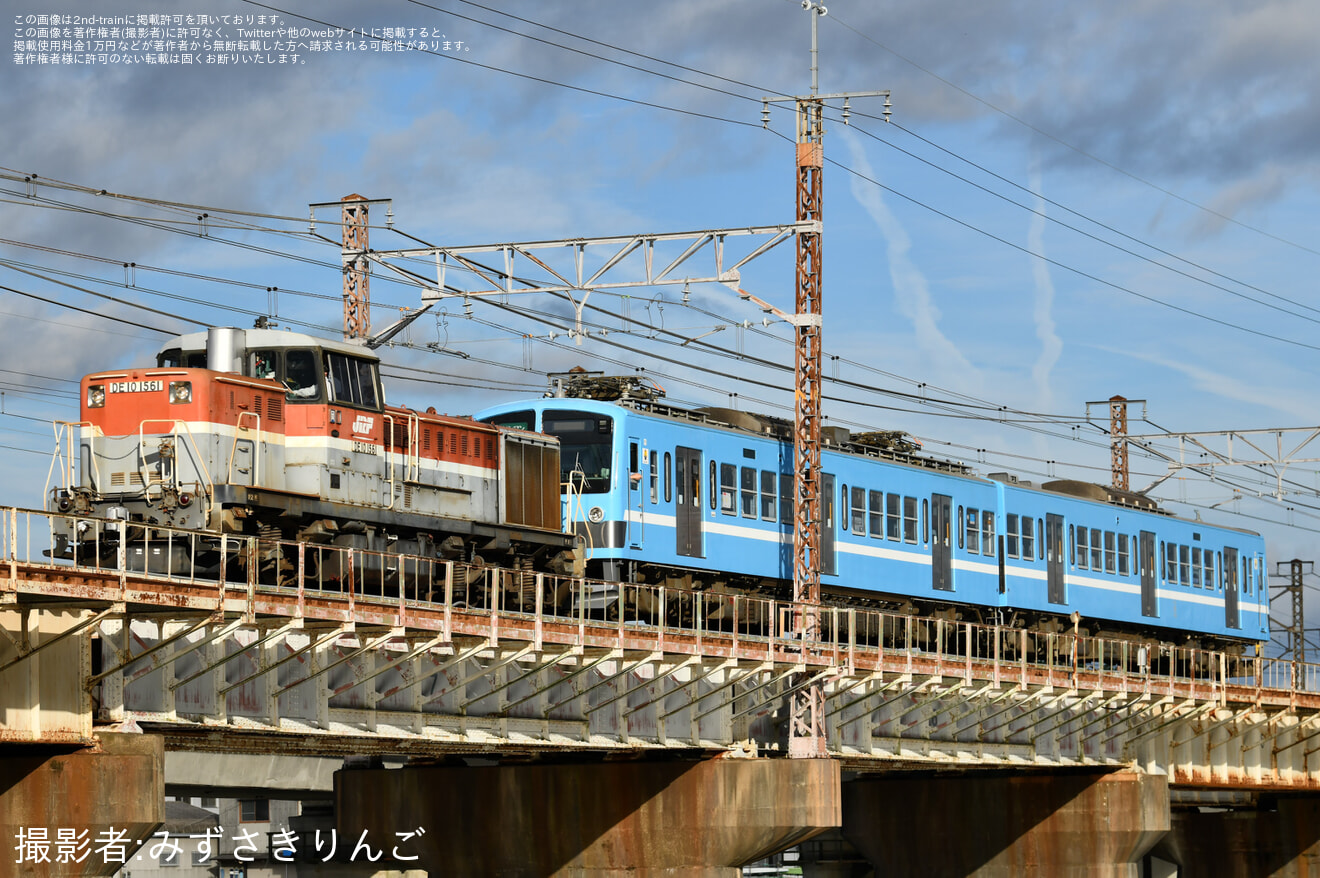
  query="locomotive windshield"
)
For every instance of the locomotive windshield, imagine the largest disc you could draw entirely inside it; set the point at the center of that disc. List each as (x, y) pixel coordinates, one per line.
(585, 446)
(177, 359)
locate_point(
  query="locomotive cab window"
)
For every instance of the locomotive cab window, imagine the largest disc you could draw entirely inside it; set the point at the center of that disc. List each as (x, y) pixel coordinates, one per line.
(353, 381)
(174, 358)
(302, 376)
(585, 445)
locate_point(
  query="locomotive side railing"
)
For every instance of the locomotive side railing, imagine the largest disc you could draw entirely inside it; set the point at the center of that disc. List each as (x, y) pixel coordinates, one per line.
(501, 603)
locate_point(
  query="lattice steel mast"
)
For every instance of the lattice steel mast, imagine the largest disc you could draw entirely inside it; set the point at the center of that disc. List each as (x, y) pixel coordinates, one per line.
(357, 265)
(806, 721)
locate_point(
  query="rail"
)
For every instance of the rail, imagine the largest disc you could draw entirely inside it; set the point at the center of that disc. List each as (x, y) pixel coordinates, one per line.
(459, 599)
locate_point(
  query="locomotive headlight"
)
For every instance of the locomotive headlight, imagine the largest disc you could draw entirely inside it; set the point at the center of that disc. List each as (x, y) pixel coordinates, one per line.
(95, 396)
(596, 514)
(180, 391)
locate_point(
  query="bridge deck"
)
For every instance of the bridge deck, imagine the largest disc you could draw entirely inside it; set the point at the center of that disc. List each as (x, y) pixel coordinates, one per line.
(393, 652)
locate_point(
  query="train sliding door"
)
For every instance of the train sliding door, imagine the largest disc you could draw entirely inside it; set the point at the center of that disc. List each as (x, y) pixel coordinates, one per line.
(1055, 586)
(941, 554)
(1150, 604)
(827, 500)
(1229, 570)
(636, 478)
(687, 502)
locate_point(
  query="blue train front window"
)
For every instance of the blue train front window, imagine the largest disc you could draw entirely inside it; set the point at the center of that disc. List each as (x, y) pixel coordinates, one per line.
(585, 447)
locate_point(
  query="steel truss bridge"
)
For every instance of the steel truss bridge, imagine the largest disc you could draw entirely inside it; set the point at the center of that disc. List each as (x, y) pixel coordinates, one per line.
(398, 654)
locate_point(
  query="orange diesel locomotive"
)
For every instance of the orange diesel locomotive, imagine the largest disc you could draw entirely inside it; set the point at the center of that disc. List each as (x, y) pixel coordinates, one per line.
(277, 434)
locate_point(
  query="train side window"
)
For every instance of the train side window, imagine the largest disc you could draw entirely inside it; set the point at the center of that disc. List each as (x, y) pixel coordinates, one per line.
(1110, 552)
(264, 365)
(909, 519)
(1072, 546)
(1083, 553)
(988, 533)
(1184, 564)
(728, 489)
(352, 380)
(877, 522)
(973, 530)
(1040, 543)
(655, 479)
(1028, 537)
(678, 480)
(1096, 549)
(749, 492)
(669, 470)
(1011, 534)
(893, 520)
(960, 527)
(787, 503)
(1123, 555)
(859, 511)
(769, 491)
(1166, 562)
(1196, 566)
(1209, 577)
(925, 520)
(714, 483)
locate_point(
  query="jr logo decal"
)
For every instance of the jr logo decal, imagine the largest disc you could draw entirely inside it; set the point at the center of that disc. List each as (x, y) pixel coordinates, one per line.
(363, 424)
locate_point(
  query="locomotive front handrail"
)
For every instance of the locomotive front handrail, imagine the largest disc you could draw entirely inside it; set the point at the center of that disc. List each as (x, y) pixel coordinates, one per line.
(64, 432)
(208, 486)
(256, 448)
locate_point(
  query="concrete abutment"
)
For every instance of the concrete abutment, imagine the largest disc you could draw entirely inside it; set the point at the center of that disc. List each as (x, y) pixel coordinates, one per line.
(117, 787)
(599, 819)
(1076, 825)
(1280, 839)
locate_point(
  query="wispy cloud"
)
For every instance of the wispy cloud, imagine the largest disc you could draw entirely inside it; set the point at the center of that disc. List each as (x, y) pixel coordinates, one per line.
(1051, 346)
(1228, 386)
(911, 291)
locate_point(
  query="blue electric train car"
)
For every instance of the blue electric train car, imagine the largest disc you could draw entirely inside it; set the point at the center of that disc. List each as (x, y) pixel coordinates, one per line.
(704, 498)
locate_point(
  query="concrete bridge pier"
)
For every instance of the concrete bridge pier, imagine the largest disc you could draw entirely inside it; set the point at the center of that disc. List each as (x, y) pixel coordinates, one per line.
(1279, 840)
(638, 819)
(85, 794)
(1077, 825)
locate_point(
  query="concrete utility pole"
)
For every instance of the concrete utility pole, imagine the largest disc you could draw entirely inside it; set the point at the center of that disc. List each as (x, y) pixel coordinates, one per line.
(806, 722)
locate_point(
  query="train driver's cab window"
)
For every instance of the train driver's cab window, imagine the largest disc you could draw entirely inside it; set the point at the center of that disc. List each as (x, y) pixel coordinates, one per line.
(585, 448)
(523, 420)
(301, 376)
(352, 380)
(177, 359)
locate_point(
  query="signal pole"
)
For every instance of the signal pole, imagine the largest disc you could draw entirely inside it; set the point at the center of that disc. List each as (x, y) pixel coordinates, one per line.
(806, 737)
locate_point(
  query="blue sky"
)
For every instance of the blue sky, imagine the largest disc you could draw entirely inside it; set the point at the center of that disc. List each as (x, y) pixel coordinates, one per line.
(1072, 201)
